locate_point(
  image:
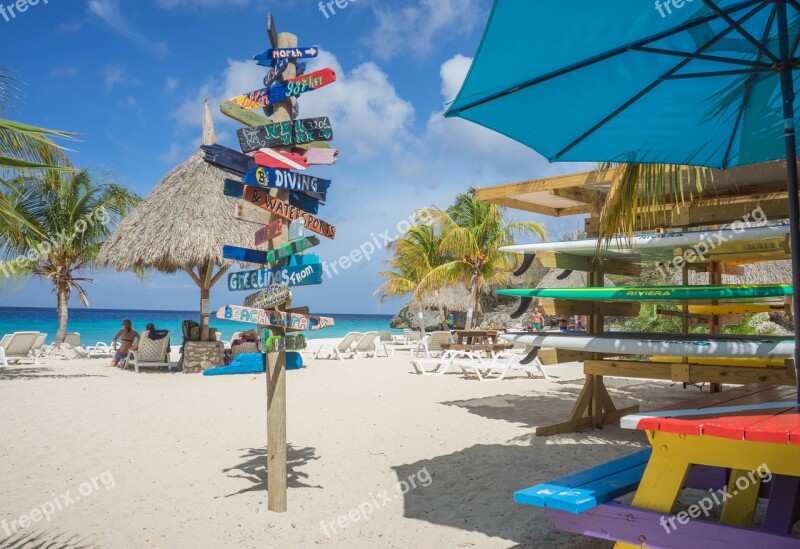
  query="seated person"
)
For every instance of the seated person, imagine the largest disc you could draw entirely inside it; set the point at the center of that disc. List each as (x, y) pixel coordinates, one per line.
(153, 335)
(562, 324)
(128, 337)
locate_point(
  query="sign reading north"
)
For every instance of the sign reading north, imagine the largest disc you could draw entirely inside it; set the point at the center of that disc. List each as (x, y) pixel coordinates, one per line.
(275, 319)
(285, 134)
(263, 278)
(281, 179)
(277, 54)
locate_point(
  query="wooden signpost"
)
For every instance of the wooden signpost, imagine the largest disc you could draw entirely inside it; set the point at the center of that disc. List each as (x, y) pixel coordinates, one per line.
(305, 275)
(272, 198)
(276, 160)
(276, 319)
(272, 256)
(275, 295)
(285, 134)
(269, 232)
(282, 91)
(284, 210)
(281, 179)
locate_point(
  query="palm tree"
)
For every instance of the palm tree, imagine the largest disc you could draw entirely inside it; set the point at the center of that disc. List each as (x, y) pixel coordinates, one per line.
(65, 217)
(415, 255)
(472, 233)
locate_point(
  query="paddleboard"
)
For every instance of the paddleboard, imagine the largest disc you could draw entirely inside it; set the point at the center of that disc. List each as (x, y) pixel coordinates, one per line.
(737, 309)
(740, 244)
(624, 343)
(776, 363)
(658, 293)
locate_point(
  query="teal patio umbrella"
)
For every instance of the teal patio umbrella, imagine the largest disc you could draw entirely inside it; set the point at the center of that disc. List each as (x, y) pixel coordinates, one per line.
(687, 82)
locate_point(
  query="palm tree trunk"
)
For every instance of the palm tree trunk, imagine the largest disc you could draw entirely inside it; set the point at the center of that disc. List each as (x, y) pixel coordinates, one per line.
(421, 319)
(473, 300)
(63, 314)
(441, 307)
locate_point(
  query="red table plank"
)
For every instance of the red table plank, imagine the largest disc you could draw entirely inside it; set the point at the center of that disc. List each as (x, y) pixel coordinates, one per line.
(734, 425)
(777, 429)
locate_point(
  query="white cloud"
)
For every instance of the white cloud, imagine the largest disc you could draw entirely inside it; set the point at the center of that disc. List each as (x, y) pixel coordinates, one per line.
(412, 27)
(172, 4)
(110, 13)
(171, 84)
(63, 72)
(127, 103)
(174, 155)
(114, 75)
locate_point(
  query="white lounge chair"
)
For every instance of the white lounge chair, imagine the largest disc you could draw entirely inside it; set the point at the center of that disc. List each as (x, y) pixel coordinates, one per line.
(505, 362)
(367, 346)
(339, 350)
(100, 350)
(150, 354)
(17, 347)
(432, 344)
(442, 365)
(73, 339)
(38, 346)
(246, 347)
(233, 338)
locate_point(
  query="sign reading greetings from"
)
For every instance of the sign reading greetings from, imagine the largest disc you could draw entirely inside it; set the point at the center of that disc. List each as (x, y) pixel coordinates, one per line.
(303, 275)
(285, 134)
(276, 319)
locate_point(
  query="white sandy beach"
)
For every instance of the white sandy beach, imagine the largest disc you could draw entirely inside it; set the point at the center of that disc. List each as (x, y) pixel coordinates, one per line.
(178, 460)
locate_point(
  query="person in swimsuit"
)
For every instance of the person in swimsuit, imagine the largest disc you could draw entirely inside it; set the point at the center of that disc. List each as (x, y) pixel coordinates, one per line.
(537, 320)
(128, 336)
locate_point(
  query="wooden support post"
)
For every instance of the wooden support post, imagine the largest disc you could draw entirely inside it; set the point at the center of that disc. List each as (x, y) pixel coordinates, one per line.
(715, 277)
(276, 362)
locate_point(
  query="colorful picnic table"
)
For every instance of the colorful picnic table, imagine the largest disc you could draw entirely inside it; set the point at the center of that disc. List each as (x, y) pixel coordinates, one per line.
(477, 337)
(735, 446)
(750, 429)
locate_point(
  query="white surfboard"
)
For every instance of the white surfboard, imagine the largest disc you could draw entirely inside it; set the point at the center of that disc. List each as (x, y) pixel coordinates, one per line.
(760, 243)
(659, 344)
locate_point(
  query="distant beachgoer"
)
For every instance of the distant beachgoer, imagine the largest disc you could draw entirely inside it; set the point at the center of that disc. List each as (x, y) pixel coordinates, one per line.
(537, 320)
(579, 327)
(128, 336)
(563, 324)
(451, 320)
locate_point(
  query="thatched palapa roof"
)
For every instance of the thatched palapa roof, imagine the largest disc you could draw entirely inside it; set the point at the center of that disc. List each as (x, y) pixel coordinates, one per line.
(183, 223)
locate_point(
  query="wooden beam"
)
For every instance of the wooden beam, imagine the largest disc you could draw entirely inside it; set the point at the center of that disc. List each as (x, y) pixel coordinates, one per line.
(727, 268)
(687, 373)
(220, 273)
(489, 194)
(575, 307)
(195, 277)
(698, 216)
(525, 206)
(703, 320)
(554, 260)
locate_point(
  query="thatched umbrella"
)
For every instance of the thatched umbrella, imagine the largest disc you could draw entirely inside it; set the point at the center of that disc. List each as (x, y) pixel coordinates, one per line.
(182, 225)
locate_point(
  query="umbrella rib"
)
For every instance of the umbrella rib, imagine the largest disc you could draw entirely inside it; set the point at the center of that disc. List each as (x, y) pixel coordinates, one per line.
(613, 53)
(653, 85)
(748, 90)
(702, 57)
(717, 73)
(746, 35)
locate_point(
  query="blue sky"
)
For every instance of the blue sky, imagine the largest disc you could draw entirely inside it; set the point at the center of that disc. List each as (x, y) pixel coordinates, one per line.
(131, 77)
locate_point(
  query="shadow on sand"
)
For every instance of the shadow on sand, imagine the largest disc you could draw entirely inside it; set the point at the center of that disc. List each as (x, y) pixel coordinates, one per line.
(254, 468)
(49, 538)
(37, 372)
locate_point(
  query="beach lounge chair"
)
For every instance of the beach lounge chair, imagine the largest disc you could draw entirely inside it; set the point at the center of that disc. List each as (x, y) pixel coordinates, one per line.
(432, 344)
(152, 353)
(339, 350)
(233, 338)
(73, 339)
(505, 362)
(442, 365)
(17, 347)
(244, 348)
(38, 346)
(367, 346)
(100, 350)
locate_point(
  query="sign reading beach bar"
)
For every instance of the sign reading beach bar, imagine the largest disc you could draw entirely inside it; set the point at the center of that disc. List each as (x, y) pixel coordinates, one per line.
(263, 278)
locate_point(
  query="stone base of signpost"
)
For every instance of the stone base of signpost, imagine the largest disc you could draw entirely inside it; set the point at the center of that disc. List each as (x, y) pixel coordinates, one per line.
(202, 355)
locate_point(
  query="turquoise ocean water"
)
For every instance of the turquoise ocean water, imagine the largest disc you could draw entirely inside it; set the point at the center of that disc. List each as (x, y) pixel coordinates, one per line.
(102, 324)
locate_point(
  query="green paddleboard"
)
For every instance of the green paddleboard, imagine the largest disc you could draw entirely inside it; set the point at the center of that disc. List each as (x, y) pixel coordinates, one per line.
(657, 293)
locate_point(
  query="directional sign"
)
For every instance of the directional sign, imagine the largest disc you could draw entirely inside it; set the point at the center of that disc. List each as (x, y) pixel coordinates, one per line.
(269, 178)
(269, 233)
(316, 156)
(227, 159)
(275, 54)
(266, 258)
(280, 160)
(285, 134)
(306, 203)
(244, 211)
(263, 278)
(262, 199)
(297, 229)
(282, 91)
(276, 319)
(275, 295)
(276, 344)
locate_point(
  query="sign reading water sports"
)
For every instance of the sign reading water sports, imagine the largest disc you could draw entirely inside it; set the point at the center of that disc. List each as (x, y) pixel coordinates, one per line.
(263, 278)
(273, 296)
(281, 179)
(275, 319)
(257, 196)
(285, 134)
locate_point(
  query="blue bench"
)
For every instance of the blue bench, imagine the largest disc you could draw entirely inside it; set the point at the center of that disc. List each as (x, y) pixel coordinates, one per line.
(587, 489)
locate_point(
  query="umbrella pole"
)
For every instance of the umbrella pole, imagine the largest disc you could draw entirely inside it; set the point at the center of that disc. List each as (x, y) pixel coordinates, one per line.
(787, 91)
